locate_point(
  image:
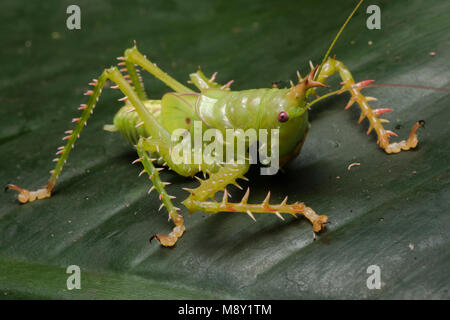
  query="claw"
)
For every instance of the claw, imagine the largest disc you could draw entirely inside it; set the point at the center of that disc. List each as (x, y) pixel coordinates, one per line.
(170, 239)
(319, 225)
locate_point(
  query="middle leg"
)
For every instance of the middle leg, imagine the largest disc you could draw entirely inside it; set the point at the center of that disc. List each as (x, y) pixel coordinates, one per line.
(228, 174)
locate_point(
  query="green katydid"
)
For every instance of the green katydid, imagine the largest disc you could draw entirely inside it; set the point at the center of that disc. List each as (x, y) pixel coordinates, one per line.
(148, 125)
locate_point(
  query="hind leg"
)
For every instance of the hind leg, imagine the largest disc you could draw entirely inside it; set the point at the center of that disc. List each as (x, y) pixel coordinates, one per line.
(149, 121)
(153, 127)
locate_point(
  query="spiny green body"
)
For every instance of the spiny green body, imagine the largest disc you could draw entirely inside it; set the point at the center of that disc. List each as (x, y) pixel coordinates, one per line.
(219, 109)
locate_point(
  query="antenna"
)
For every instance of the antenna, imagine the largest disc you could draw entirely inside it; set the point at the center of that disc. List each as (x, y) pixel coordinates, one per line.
(337, 37)
(412, 86)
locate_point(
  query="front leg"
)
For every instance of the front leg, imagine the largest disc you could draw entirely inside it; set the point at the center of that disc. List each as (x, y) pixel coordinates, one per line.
(332, 66)
(228, 174)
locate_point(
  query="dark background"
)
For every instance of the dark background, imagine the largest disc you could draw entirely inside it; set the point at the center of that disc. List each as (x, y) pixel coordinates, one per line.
(101, 217)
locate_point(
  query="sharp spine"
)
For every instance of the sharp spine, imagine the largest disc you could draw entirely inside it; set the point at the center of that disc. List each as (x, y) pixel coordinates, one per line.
(250, 214)
(279, 215)
(137, 160)
(245, 197)
(265, 203)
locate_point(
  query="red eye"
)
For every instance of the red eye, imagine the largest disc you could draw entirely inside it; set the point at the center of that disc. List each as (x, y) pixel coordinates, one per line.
(283, 116)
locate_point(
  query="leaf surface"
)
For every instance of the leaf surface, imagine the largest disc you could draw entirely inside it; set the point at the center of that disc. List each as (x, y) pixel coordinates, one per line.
(391, 211)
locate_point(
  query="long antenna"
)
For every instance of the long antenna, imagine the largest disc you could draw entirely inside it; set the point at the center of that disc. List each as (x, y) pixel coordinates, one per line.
(337, 37)
(412, 86)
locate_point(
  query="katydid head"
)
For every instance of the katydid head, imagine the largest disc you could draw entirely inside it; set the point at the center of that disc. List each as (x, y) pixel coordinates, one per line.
(291, 116)
(294, 104)
(295, 99)
(286, 112)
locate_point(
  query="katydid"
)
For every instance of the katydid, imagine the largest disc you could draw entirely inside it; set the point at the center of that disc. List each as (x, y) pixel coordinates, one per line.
(148, 125)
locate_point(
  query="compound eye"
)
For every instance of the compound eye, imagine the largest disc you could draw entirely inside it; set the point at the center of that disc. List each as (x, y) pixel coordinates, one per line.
(283, 116)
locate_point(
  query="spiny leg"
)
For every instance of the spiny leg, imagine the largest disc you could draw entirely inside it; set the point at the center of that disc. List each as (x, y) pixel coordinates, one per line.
(187, 165)
(157, 131)
(332, 66)
(153, 145)
(228, 174)
(164, 149)
(153, 173)
(135, 77)
(202, 82)
(150, 122)
(133, 56)
(63, 151)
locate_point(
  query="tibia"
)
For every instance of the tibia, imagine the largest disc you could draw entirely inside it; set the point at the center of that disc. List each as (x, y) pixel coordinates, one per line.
(211, 207)
(166, 199)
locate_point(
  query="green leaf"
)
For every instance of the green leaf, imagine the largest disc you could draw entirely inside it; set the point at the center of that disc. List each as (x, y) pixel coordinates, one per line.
(391, 211)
